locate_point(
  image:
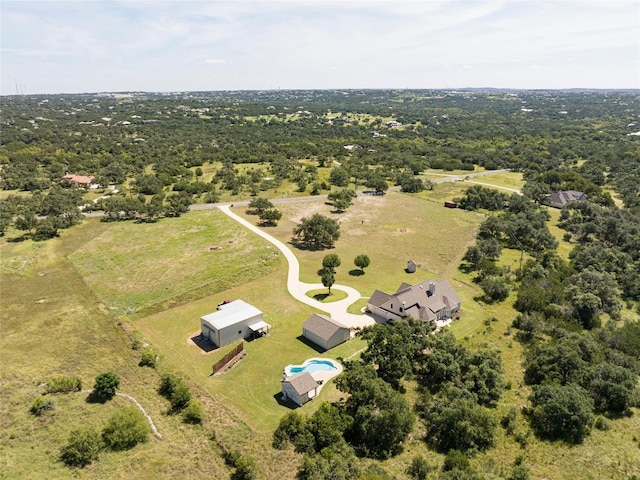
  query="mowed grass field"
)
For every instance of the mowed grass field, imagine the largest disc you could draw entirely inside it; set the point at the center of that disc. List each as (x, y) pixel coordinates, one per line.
(68, 309)
(137, 268)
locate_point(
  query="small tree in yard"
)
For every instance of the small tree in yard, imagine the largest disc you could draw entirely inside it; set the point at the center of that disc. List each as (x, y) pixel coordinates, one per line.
(82, 448)
(106, 385)
(327, 278)
(125, 429)
(331, 262)
(270, 217)
(362, 261)
(259, 205)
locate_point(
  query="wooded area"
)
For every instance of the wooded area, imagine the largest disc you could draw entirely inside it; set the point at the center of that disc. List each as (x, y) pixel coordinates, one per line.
(155, 155)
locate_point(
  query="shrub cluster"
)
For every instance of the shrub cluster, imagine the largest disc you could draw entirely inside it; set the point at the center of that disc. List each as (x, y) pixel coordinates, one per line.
(106, 385)
(124, 430)
(42, 405)
(63, 385)
(179, 395)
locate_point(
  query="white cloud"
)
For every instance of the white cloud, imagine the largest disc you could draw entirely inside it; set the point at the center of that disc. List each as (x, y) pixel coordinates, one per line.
(141, 45)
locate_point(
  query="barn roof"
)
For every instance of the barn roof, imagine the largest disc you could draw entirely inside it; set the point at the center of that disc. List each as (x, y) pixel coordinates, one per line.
(322, 326)
(302, 382)
(230, 313)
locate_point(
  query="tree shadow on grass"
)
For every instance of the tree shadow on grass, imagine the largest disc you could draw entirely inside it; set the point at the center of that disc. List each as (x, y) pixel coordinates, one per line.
(356, 272)
(320, 296)
(18, 239)
(307, 246)
(93, 397)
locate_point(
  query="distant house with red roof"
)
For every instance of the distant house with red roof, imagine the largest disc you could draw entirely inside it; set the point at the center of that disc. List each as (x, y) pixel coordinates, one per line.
(80, 180)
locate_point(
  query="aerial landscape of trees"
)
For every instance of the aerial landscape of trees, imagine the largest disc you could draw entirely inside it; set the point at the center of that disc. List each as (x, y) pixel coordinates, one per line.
(565, 283)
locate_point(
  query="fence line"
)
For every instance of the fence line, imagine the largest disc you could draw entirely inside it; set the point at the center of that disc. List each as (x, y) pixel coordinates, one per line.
(219, 365)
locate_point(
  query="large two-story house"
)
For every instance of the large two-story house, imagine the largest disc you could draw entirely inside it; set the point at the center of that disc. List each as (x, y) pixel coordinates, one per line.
(428, 300)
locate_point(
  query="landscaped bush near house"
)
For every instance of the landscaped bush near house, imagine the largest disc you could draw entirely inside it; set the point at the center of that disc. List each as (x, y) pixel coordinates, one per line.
(125, 429)
(82, 448)
(41, 405)
(63, 384)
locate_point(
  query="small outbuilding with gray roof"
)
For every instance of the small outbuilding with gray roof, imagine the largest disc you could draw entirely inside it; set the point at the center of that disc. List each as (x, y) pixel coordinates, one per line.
(299, 388)
(325, 332)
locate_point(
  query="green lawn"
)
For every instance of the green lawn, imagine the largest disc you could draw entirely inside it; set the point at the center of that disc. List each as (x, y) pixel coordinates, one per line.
(390, 229)
(506, 180)
(64, 312)
(250, 387)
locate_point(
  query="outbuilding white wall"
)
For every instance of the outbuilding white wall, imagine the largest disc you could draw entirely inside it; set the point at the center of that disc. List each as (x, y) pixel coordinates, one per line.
(340, 336)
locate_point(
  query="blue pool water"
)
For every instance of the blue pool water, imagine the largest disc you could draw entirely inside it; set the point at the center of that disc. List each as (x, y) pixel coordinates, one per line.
(314, 366)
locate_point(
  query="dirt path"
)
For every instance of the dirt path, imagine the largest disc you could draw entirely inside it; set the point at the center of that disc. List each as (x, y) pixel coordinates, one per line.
(155, 431)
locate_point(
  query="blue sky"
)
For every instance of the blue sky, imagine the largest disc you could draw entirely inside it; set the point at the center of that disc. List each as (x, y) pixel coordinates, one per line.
(103, 45)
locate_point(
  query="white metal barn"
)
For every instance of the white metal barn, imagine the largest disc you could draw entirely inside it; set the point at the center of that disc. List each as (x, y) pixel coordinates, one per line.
(232, 321)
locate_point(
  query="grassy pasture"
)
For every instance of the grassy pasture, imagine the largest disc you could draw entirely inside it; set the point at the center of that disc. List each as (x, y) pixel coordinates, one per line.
(170, 329)
(53, 324)
(505, 180)
(390, 229)
(149, 267)
(54, 321)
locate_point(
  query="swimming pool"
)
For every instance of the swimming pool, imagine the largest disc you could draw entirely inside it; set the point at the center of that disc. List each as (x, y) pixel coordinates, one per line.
(312, 366)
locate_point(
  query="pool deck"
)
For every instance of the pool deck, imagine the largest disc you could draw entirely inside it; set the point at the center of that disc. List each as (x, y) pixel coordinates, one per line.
(321, 376)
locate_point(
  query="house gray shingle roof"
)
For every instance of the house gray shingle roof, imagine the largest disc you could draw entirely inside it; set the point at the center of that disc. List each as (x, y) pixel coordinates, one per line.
(422, 300)
(378, 298)
(322, 326)
(559, 199)
(302, 382)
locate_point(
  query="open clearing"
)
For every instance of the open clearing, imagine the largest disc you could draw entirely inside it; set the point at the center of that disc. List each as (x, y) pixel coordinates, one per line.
(65, 305)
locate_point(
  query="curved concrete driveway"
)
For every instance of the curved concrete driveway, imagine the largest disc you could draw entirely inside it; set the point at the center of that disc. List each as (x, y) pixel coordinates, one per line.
(297, 289)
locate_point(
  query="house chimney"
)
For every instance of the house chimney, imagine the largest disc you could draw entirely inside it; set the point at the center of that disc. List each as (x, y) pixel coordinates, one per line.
(432, 288)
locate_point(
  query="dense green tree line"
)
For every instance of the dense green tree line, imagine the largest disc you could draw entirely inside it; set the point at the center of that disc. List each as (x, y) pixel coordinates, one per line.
(455, 388)
(153, 142)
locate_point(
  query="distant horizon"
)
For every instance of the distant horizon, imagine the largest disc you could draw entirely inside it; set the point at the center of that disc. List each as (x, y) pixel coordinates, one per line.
(330, 89)
(92, 46)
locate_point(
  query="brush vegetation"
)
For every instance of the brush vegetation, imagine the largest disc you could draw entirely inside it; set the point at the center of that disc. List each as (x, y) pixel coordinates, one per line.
(73, 306)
